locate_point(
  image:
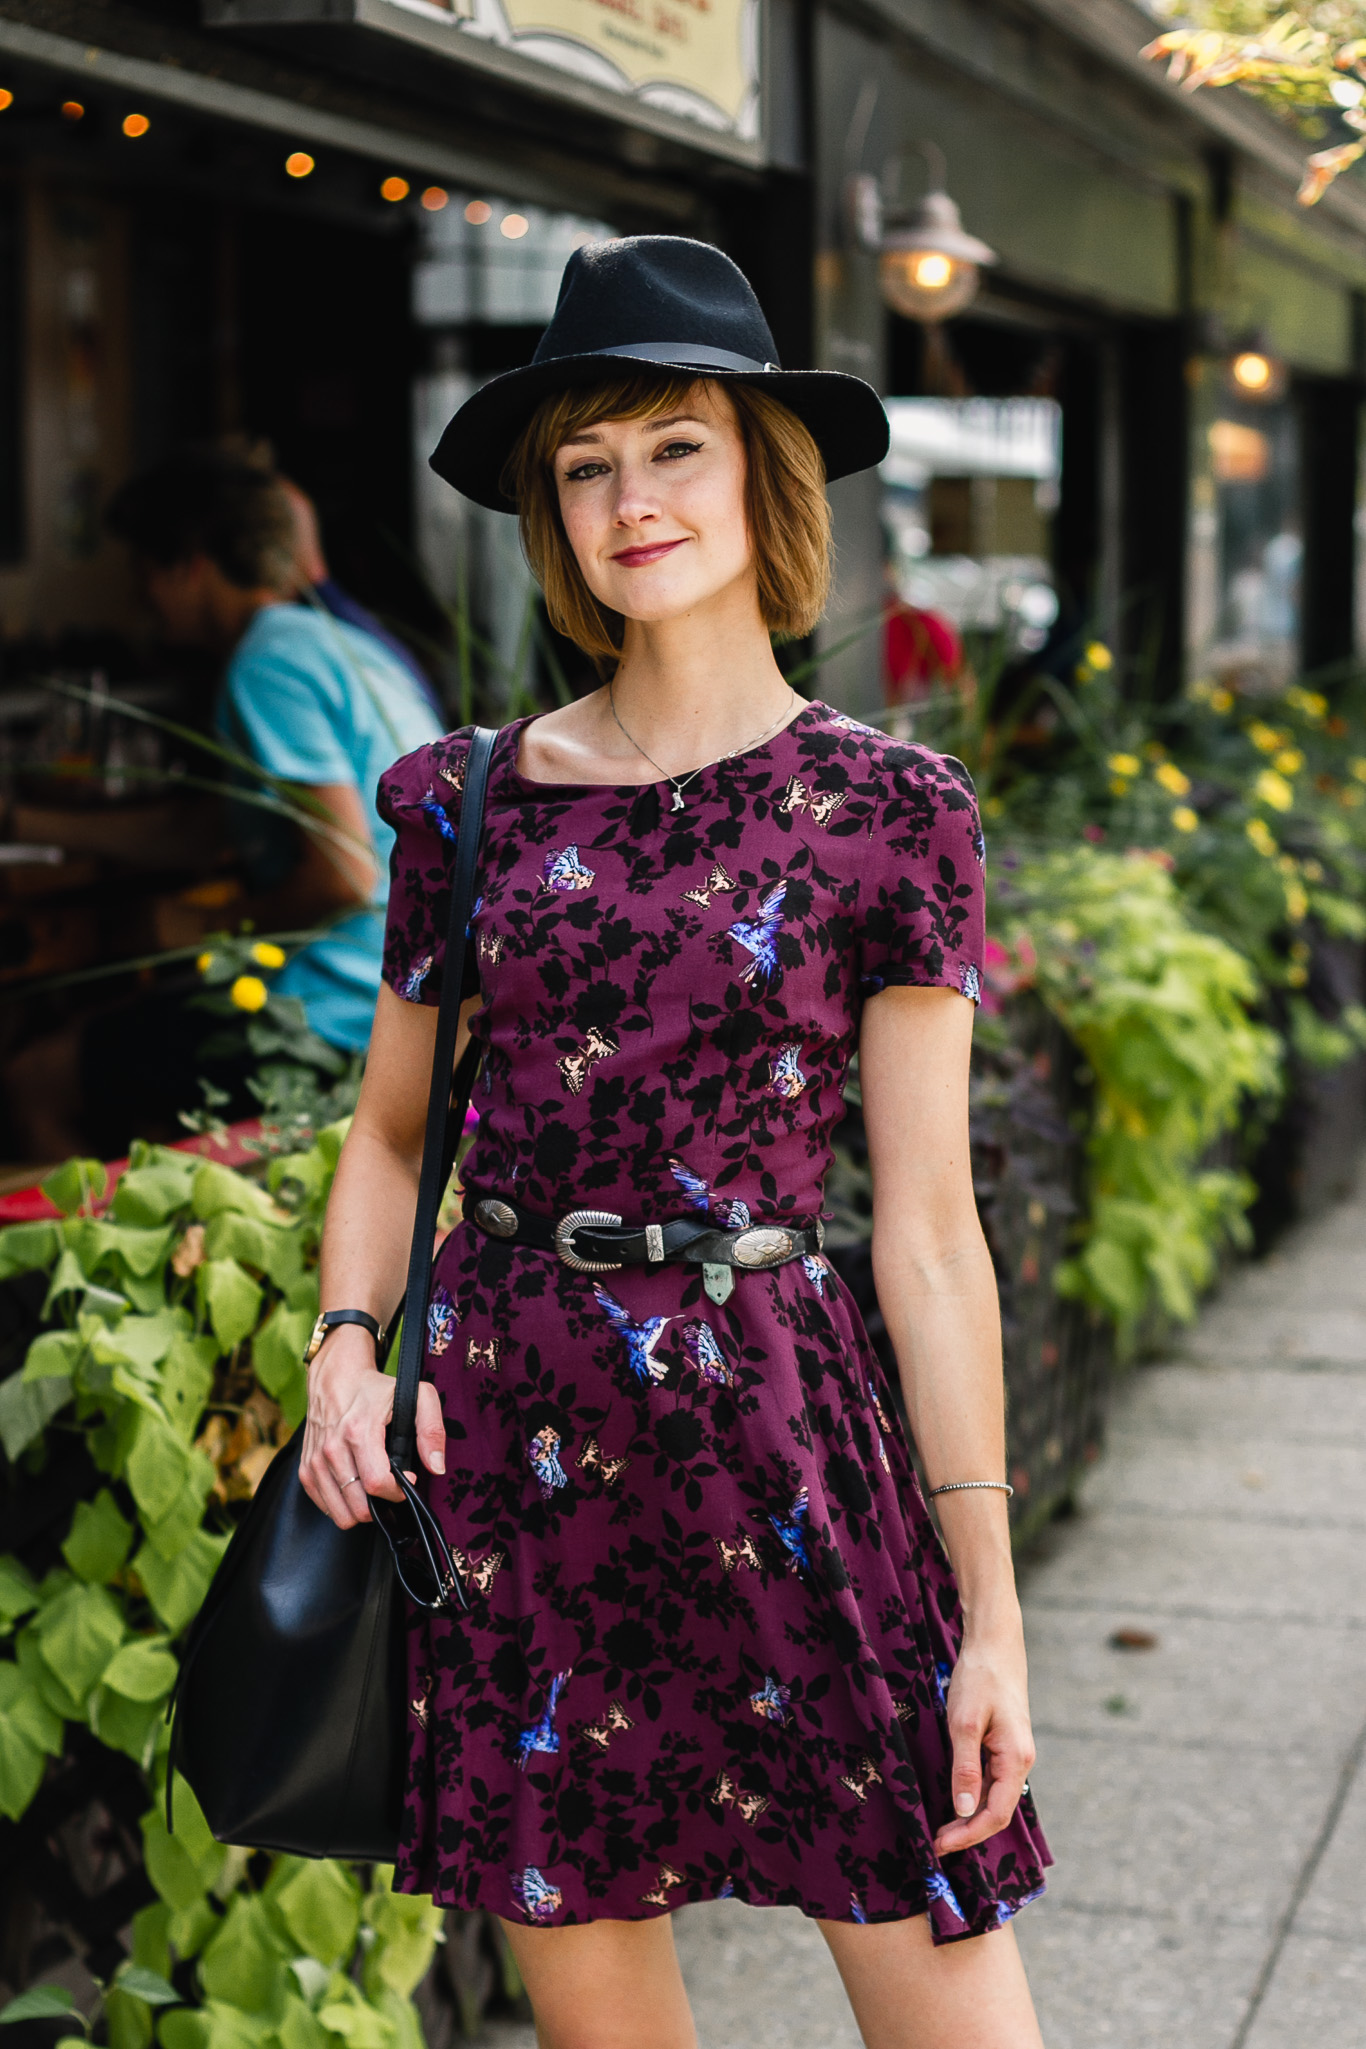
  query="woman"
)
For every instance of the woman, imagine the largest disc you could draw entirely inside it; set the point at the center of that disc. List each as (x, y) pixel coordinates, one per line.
(714, 1646)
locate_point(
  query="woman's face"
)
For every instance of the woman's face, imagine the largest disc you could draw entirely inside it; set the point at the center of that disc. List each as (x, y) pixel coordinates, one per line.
(655, 508)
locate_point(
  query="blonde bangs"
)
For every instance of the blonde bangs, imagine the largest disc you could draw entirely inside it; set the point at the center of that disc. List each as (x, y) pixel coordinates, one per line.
(786, 510)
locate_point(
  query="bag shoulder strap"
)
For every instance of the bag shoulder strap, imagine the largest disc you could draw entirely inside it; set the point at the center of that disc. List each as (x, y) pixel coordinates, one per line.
(443, 1112)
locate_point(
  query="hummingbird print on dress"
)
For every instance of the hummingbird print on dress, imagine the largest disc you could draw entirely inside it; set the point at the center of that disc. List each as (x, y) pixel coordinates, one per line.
(787, 1079)
(543, 1735)
(717, 883)
(544, 1454)
(937, 1887)
(733, 1213)
(942, 1675)
(699, 1341)
(1006, 1910)
(592, 1461)
(614, 1721)
(440, 1321)
(856, 1912)
(431, 804)
(792, 1532)
(641, 1338)
(541, 1900)
(415, 977)
(772, 1702)
(815, 1270)
(726, 1889)
(759, 937)
(565, 872)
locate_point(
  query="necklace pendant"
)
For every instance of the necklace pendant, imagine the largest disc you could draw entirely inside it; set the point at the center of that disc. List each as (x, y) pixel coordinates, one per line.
(677, 804)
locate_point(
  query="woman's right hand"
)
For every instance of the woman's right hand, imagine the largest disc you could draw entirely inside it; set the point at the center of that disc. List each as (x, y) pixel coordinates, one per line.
(349, 1406)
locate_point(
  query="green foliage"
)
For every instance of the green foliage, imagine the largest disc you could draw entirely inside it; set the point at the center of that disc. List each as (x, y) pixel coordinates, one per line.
(159, 1308)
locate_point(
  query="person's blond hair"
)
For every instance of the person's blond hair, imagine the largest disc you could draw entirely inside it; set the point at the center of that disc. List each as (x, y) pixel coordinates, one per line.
(786, 511)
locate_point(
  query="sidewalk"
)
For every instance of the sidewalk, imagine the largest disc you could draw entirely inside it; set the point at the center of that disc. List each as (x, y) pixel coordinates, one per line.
(1205, 1796)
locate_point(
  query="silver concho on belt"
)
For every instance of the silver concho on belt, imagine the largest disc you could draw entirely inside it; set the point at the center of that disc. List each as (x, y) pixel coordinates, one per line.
(763, 1245)
(499, 1219)
(564, 1237)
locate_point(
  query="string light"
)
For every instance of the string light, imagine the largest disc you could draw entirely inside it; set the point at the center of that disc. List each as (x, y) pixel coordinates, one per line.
(514, 226)
(72, 110)
(477, 212)
(135, 125)
(299, 164)
(6, 99)
(434, 198)
(394, 189)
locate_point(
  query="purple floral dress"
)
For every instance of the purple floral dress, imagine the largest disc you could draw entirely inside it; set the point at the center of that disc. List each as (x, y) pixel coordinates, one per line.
(711, 1626)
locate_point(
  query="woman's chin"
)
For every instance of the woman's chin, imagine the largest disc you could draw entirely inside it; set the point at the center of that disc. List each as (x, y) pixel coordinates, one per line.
(665, 601)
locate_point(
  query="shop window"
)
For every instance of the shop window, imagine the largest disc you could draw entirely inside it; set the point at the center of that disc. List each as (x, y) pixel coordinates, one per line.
(970, 490)
(1245, 537)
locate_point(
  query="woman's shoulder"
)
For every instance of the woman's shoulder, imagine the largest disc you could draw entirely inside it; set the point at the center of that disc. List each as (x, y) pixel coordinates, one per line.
(431, 773)
(884, 769)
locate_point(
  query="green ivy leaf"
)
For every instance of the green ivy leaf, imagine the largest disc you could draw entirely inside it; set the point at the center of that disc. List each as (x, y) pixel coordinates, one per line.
(39, 2003)
(277, 1353)
(300, 2027)
(147, 1985)
(151, 1946)
(186, 2027)
(22, 1707)
(232, 1299)
(18, 1589)
(141, 1671)
(152, 1194)
(169, 1534)
(180, 1866)
(158, 1467)
(407, 1927)
(218, 1189)
(77, 1634)
(320, 1906)
(272, 1249)
(99, 1540)
(189, 1928)
(21, 1770)
(41, 1677)
(74, 1185)
(176, 1586)
(140, 1342)
(130, 1726)
(311, 1977)
(24, 1248)
(53, 1354)
(348, 2014)
(128, 2022)
(97, 1242)
(26, 1409)
(244, 1964)
(186, 1381)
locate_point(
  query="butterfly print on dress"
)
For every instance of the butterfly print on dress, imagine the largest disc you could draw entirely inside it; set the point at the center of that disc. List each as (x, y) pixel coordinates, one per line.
(565, 872)
(668, 1879)
(541, 1899)
(420, 1703)
(614, 1721)
(716, 884)
(729, 1793)
(599, 1045)
(478, 1574)
(544, 1454)
(815, 1270)
(859, 1782)
(592, 1461)
(741, 1550)
(773, 1702)
(490, 948)
(699, 1341)
(454, 774)
(787, 1079)
(759, 937)
(543, 1735)
(484, 1352)
(641, 1338)
(822, 805)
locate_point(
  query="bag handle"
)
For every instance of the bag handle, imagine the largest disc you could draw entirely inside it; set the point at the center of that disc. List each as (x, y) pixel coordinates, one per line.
(446, 1106)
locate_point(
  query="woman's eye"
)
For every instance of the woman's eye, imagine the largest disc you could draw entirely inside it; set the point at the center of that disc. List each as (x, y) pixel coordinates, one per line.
(582, 471)
(672, 450)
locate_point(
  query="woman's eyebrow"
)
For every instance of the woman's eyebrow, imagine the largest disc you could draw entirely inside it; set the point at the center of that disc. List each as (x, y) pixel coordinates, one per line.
(590, 434)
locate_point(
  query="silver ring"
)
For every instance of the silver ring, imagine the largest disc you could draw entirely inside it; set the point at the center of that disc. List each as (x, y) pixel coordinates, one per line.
(352, 1481)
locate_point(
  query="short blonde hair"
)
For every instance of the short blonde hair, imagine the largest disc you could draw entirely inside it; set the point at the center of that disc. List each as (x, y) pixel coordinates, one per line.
(785, 504)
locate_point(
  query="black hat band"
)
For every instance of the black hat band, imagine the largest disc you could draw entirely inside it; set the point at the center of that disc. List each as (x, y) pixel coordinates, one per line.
(687, 356)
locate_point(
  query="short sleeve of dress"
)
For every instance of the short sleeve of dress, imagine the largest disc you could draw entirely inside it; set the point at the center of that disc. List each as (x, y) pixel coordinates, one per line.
(420, 798)
(922, 906)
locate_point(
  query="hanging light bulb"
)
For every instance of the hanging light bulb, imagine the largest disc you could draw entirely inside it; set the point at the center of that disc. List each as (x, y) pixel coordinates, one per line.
(930, 267)
(1253, 372)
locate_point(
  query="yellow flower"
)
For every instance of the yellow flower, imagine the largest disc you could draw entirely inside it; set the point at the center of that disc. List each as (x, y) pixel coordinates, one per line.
(1172, 779)
(1261, 837)
(1300, 949)
(249, 992)
(1221, 700)
(1099, 657)
(1296, 902)
(1274, 790)
(1358, 768)
(204, 963)
(267, 954)
(1118, 786)
(1265, 737)
(1289, 761)
(1308, 701)
(1350, 798)
(1312, 871)
(1184, 819)
(993, 807)
(1297, 974)
(1124, 764)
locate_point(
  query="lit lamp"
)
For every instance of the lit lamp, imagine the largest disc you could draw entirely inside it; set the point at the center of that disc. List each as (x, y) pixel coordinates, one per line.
(1254, 373)
(930, 267)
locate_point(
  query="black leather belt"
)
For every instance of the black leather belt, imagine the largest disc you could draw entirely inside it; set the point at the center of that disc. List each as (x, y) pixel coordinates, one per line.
(595, 1241)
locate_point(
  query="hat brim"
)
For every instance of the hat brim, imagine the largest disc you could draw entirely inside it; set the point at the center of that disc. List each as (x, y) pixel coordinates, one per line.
(844, 416)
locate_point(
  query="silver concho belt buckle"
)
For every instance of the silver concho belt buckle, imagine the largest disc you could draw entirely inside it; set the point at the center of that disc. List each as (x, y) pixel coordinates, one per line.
(564, 1233)
(763, 1245)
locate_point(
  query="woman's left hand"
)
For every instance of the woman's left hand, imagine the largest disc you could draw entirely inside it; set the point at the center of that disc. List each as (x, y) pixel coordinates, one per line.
(993, 1744)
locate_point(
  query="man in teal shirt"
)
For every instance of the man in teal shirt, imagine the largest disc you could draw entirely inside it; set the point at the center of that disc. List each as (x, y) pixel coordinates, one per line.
(321, 707)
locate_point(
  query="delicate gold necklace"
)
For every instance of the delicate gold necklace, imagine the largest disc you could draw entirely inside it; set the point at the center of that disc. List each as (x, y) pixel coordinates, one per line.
(679, 782)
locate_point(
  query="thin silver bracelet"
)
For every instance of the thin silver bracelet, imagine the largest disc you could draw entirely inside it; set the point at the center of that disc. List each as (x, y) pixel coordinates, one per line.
(962, 1486)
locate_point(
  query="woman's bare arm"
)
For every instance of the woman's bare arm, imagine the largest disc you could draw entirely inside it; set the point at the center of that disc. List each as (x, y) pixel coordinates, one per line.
(937, 1291)
(364, 1266)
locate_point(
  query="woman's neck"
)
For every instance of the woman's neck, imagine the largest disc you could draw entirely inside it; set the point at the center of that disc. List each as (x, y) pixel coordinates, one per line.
(689, 688)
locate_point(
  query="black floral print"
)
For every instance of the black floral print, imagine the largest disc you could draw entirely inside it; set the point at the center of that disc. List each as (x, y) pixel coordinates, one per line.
(711, 1626)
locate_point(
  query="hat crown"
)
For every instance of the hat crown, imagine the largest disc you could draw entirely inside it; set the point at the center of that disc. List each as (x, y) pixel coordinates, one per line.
(661, 289)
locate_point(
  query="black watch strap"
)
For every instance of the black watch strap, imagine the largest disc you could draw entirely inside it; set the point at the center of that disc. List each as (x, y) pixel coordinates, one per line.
(330, 1318)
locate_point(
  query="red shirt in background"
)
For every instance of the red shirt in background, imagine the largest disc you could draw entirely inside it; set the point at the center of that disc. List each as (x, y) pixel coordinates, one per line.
(919, 649)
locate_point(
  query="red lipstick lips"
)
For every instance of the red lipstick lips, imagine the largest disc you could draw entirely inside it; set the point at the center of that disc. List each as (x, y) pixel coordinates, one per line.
(654, 551)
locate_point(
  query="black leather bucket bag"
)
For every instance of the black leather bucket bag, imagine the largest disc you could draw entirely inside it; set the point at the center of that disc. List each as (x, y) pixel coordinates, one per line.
(291, 1709)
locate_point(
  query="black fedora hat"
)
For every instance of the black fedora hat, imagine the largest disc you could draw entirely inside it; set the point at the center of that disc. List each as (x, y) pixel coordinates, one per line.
(654, 302)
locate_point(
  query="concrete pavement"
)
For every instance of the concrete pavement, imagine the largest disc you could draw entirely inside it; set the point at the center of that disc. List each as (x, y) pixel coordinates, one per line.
(1204, 1788)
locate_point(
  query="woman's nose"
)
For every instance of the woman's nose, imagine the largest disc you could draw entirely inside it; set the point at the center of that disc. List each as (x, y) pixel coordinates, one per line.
(635, 501)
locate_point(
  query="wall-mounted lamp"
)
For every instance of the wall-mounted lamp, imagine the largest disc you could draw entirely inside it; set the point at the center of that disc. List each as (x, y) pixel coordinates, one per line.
(929, 267)
(1254, 373)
